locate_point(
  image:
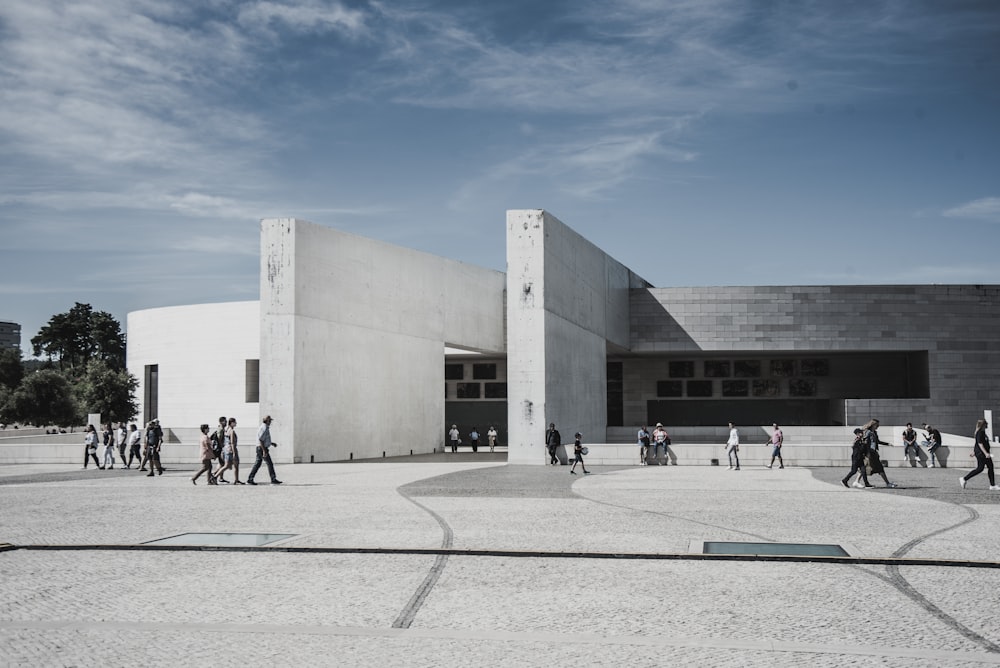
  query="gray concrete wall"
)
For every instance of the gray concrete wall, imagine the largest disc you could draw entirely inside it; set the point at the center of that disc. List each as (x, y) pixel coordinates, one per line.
(958, 326)
(567, 301)
(353, 333)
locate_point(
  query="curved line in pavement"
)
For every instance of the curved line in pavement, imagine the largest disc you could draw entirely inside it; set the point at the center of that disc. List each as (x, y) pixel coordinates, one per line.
(409, 612)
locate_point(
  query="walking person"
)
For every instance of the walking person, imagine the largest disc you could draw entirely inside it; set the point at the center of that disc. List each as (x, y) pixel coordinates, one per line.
(858, 450)
(474, 438)
(90, 447)
(154, 440)
(777, 440)
(643, 438)
(984, 459)
(121, 436)
(491, 437)
(264, 444)
(109, 447)
(552, 441)
(578, 452)
(733, 446)
(207, 457)
(874, 460)
(134, 445)
(453, 437)
(218, 439)
(230, 454)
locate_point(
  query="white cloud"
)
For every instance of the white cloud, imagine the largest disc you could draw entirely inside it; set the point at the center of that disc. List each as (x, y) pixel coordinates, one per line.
(986, 208)
(303, 17)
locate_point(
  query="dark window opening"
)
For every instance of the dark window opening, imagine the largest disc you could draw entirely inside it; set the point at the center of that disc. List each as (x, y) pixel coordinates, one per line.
(467, 390)
(454, 371)
(253, 381)
(735, 388)
(746, 368)
(151, 393)
(699, 388)
(717, 369)
(682, 369)
(484, 371)
(670, 388)
(496, 390)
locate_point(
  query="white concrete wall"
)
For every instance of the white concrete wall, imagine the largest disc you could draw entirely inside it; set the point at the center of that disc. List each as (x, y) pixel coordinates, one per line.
(353, 333)
(567, 300)
(201, 351)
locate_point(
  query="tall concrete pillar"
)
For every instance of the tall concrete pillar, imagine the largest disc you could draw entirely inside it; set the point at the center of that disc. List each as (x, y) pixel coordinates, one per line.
(566, 300)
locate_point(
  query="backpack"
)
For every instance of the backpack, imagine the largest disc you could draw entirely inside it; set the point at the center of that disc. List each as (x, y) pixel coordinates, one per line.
(216, 445)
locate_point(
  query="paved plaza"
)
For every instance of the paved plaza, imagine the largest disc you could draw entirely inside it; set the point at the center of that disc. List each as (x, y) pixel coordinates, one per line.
(465, 561)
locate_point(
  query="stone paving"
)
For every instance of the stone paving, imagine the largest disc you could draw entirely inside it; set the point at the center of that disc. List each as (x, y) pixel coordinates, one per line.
(101, 607)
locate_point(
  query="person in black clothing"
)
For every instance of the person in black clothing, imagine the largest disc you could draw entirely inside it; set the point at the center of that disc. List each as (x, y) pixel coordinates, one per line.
(874, 461)
(910, 441)
(578, 455)
(858, 450)
(552, 441)
(984, 459)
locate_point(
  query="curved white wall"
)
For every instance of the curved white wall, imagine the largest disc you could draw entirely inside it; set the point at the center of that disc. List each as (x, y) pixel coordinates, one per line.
(201, 351)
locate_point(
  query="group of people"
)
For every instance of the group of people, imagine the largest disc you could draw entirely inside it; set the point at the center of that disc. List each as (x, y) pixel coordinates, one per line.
(143, 447)
(455, 438)
(553, 439)
(658, 440)
(223, 445)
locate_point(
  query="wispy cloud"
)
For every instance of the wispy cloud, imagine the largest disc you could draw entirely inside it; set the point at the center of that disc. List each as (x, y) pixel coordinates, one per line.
(986, 208)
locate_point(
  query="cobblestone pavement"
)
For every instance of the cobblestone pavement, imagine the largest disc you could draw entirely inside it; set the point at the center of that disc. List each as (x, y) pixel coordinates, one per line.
(543, 601)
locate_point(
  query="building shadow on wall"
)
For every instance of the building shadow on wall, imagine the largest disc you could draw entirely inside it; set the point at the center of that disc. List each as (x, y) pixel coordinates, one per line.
(653, 328)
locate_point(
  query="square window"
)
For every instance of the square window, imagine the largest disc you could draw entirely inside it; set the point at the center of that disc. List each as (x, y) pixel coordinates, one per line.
(699, 388)
(496, 390)
(735, 388)
(454, 371)
(766, 388)
(782, 368)
(467, 390)
(815, 367)
(717, 369)
(801, 387)
(746, 368)
(682, 369)
(670, 388)
(484, 371)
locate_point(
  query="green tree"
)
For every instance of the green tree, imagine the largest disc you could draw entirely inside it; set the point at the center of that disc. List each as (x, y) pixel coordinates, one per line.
(80, 335)
(108, 391)
(43, 397)
(11, 370)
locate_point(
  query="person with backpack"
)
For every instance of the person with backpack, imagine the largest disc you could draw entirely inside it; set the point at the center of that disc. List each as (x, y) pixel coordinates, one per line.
(874, 460)
(858, 450)
(474, 438)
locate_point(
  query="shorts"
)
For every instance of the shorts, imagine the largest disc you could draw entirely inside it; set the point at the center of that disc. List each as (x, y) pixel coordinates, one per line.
(776, 452)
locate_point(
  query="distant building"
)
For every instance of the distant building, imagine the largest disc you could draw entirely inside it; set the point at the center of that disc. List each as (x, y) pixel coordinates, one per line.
(10, 335)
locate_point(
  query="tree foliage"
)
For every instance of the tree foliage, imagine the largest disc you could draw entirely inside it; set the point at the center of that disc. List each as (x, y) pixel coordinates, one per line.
(79, 336)
(108, 391)
(42, 398)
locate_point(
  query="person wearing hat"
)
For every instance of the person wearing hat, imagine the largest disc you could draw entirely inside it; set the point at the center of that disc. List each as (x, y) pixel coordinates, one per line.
(264, 444)
(858, 450)
(453, 437)
(660, 440)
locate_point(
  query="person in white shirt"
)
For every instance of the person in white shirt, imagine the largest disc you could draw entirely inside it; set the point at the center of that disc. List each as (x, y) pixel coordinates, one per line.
(733, 447)
(491, 437)
(453, 437)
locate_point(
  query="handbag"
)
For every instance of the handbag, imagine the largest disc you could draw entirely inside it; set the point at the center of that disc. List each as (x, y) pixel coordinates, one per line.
(584, 450)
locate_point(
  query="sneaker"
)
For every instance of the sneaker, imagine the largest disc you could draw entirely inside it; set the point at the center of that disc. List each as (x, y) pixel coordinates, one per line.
(858, 484)
(251, 482)
(737, 468)
(586, 473)
(844, 483)
(868, 486)
(995, 488)
(730, 468)
(572, 472)
(275, 482)
(892, 485)
(782, 466)
(961, 481)
(768, 466)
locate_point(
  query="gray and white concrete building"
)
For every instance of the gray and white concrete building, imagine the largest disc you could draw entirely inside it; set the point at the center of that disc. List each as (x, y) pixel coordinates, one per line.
(353, 340)
(10, 334)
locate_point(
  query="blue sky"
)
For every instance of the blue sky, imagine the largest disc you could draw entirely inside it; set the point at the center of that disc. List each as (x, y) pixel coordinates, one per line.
(700, 142)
